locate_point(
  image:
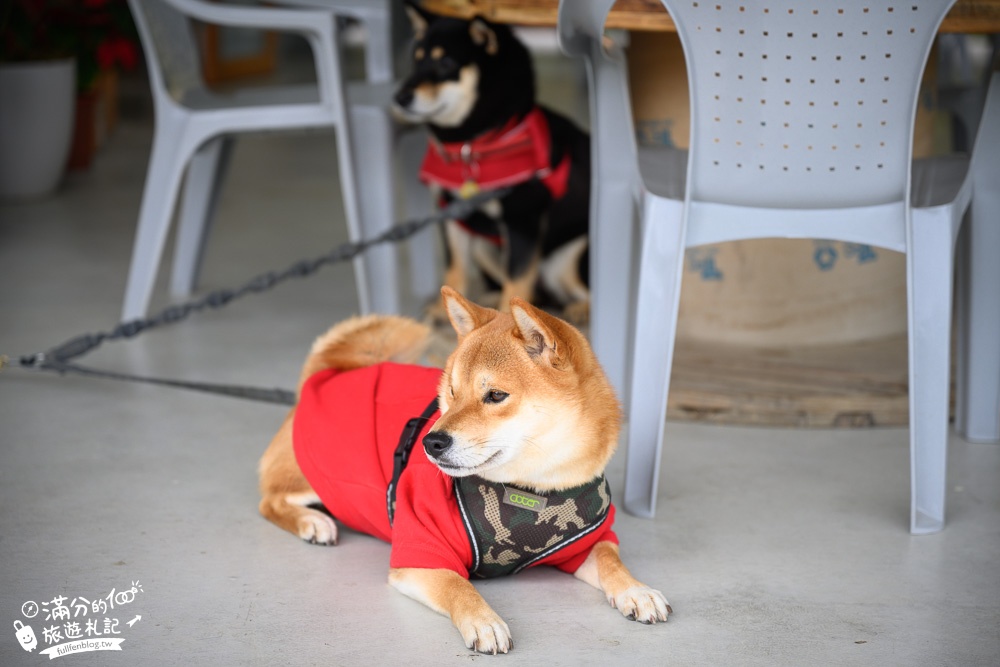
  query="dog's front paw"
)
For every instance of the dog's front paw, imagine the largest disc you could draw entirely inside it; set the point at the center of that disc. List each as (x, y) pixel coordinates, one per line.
(486, 634)
(317, 528)
(642, 604)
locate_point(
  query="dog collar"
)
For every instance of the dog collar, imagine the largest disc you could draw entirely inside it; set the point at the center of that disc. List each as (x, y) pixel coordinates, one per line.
(512, 155)
(511, 528)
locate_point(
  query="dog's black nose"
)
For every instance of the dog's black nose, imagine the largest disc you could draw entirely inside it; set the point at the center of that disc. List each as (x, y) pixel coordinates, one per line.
(404, 97)
(436, 443)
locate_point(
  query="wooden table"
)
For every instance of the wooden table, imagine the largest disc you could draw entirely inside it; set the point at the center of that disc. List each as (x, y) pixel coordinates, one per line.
(968, 16)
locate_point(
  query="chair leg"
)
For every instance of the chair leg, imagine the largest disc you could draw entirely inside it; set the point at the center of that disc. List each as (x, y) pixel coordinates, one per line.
(612, 214)
(929, 272)
(611, 280)
(373, 175)
(653, 350)
(961, 316)
(978, 413)
(981, 421)
(163, 179)
(425, 278)
(205, 174)
(379, 52)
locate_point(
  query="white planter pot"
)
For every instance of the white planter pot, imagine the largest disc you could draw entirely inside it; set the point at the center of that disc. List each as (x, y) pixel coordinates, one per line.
(37, 103)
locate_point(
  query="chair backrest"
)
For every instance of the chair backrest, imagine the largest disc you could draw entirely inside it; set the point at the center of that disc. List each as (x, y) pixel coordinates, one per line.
(803, 104)
(168, 41)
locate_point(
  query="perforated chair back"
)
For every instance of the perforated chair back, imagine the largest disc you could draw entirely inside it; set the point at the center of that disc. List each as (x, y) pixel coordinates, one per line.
(803, 105)
(169, 35)
(802, 120)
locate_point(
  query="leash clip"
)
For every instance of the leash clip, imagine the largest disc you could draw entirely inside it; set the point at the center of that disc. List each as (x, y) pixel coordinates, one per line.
(34, 362)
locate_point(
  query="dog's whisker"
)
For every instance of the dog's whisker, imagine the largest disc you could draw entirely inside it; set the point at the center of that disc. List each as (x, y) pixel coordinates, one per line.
(490, 443)
(531, 441)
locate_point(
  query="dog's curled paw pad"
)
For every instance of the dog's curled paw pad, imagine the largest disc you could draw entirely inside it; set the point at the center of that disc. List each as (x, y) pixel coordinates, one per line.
(317, 528)
(642, 604)
(488, 636)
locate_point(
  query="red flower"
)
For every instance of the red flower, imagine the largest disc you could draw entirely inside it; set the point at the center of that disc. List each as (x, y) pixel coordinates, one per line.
(126, 53)
(117, 51)
(106, 54)
(99, 33)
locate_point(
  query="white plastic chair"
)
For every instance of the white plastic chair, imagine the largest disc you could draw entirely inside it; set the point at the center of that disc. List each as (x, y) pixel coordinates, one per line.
(615, 183)
(194, 127)
(977, 311)
(801, 127)
(387, 36)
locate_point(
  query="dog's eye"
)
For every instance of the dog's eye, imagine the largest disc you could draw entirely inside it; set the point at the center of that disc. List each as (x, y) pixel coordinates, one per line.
(495, 396)
(446, 68)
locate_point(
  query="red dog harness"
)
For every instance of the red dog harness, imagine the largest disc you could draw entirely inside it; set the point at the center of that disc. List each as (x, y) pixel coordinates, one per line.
(512, 155)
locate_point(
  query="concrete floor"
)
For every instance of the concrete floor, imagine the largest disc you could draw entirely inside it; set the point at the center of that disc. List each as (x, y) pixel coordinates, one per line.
(775, 547)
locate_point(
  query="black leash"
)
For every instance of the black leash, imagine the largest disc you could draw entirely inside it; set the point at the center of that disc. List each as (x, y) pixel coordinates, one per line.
(58, 358)
(275, 395)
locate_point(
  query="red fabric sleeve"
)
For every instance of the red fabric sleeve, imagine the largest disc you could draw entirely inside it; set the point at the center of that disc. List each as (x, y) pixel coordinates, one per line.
(570, 558)
(336, 410)
(427, 531)
(347, 425)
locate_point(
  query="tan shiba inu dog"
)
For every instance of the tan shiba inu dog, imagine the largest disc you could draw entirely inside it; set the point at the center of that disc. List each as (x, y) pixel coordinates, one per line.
(510, 475)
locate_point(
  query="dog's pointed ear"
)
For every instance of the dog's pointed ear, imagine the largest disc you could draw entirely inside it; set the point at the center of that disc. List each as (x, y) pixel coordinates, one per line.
(484, 35)
(535, 328)
(465, 316)
(419, 19)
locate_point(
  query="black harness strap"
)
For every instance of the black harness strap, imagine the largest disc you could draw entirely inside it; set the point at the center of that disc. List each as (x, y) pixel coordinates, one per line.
(407, 439)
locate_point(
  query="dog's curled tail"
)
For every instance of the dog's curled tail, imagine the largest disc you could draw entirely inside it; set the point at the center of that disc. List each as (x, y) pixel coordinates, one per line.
(365, 341)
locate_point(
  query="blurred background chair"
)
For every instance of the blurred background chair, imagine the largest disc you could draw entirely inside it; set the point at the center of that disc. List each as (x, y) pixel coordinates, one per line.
(195, 127)
(387, 41)
(615, 190)
(801, 127)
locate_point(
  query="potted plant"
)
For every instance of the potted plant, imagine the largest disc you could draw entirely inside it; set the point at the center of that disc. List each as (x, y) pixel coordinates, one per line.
(51, 53)
(107, 42)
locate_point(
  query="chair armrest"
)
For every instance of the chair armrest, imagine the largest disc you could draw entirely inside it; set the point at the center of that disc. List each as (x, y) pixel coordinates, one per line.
(359, 9)
(581, 24)
(267, 18)
(317, 26)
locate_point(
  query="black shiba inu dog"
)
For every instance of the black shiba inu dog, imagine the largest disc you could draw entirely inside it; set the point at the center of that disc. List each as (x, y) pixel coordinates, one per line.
(473, 85)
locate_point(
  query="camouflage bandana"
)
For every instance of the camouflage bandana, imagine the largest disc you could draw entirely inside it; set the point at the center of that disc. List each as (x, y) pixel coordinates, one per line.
(510, 528)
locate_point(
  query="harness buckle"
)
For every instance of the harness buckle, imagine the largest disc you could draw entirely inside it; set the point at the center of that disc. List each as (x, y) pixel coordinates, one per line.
(401, 456)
